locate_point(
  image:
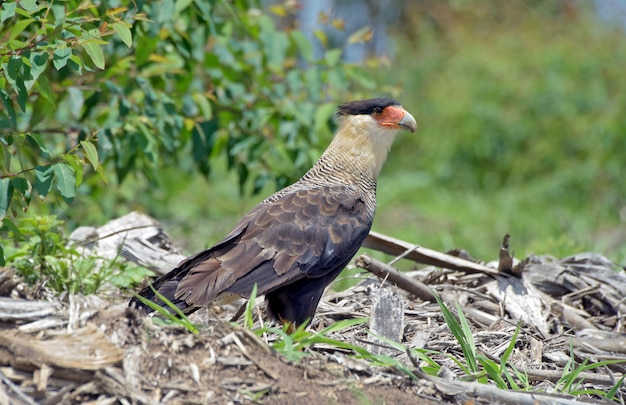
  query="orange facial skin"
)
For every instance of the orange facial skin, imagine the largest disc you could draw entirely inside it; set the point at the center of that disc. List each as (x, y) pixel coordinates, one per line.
(394, 116)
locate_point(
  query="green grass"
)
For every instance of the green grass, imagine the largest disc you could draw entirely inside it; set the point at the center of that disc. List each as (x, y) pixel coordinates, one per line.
(504, 374)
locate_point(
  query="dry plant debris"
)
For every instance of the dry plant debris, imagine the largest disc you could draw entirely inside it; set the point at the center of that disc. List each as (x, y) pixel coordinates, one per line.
(95, 350)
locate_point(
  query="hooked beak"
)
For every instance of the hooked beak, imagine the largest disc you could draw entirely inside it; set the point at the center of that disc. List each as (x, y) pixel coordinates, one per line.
(408, 122)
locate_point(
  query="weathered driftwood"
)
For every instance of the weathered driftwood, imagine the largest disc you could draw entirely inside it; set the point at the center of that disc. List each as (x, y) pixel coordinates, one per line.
(387, 319)
(14, 309)
(136, 237)
(85, 349)
(397, 247)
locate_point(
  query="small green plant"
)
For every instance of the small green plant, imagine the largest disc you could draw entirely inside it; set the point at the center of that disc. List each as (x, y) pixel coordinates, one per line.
(570, 383)
(39, 252)
(463, 334)
(293, 346)
(431, 367)
(484, 369)
(173, 317)
(499, 372)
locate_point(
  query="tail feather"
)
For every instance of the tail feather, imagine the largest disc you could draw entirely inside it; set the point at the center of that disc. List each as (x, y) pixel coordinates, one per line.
(166, 287)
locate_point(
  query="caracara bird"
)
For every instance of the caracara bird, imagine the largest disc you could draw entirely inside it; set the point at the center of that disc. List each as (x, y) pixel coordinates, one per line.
(293, 244)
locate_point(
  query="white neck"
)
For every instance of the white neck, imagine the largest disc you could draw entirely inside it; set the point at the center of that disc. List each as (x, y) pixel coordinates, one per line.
(361, 140)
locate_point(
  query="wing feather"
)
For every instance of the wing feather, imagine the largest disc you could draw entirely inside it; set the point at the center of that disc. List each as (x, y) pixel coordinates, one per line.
(301, 234)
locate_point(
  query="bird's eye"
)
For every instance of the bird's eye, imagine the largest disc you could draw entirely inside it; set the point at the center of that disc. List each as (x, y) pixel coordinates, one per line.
(378, 110)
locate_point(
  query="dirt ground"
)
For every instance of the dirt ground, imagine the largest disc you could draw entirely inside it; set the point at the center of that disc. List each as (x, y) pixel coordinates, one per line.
(96, 350)
(72, 349)
(117, 355)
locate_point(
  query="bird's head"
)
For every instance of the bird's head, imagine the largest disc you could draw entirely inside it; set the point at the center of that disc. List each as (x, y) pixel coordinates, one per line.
(367, 128)
(384, 113)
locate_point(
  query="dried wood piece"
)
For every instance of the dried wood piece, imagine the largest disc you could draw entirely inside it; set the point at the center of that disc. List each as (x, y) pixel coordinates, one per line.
(505, 262)
(397, 247)
(386, 272)
(17, 390)
(536, 351)
(520, 301)
(113, 379)
(555, 375)
(43, 324)
(586, 282)
(387, 319)
(609, 342)
(17, 309)
(85, 349)
(136, 236)
(570, 316)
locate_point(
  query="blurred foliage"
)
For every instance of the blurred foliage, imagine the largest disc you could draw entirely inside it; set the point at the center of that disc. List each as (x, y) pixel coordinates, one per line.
(130, 90)
(521, 129)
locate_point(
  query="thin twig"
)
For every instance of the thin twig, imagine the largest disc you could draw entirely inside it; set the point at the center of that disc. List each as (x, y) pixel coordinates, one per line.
(16, 389)
(397, 247)
(383, 271)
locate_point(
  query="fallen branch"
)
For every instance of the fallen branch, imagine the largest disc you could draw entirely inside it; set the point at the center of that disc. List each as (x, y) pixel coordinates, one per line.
(555, 375)
(397, 247)
(386, 272)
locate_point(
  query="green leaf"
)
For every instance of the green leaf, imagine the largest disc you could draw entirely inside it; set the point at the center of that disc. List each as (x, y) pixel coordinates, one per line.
(95, 53)
(45, 89)
(61, 56)
(6, 194)
(22, 94)
(181, 5)
(76, 164)
(203, 140)
(332, 57)
(14, 69)
(492, 369)
(38, 62)
(35, 140)
(19, 27)
(8, 105)
(75, 100)
(7, 11)
(76, 64)
(123, 30)
(23, 186)
(43, 180)
(29, 5)
(615, 388)
(304, 45)
(13, 230)
(91, 153)
(248, 314)
(65, 181)
(362, 35)
(166, 11)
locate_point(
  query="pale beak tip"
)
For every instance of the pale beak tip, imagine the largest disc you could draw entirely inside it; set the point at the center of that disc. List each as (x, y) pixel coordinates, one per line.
(408, 122)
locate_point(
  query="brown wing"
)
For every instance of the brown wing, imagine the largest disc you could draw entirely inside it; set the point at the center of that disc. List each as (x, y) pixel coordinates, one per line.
(304, 233)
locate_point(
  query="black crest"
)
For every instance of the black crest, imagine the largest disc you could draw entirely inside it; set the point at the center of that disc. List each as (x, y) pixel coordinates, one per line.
(364, 106)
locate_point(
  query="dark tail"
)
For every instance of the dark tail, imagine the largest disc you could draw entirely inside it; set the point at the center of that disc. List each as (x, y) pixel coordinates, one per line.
(166, 286)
